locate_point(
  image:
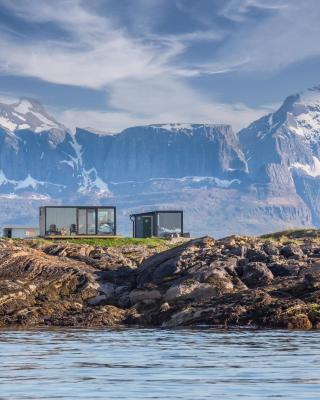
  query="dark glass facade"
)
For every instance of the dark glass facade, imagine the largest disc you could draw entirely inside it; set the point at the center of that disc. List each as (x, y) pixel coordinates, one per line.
(157, 223)
(56, 220)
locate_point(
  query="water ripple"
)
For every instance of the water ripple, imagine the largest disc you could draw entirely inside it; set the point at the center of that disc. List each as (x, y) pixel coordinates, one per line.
(159, 364)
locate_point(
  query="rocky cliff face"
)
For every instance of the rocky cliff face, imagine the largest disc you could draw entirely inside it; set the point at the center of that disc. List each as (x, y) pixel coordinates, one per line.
(264, 178)
(160, 151)
(283, 148)
(237, 281)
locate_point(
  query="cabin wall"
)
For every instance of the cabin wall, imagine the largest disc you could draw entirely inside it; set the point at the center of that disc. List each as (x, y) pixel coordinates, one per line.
(42, 221)
(24, 233)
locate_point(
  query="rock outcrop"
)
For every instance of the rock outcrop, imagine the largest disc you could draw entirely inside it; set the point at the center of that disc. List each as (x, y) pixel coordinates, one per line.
(236, 281)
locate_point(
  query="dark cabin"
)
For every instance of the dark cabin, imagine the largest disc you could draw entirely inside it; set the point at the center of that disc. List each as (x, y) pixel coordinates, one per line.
(158, 224)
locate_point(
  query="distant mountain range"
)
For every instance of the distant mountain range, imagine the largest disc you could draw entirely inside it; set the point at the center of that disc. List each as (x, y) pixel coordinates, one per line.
(265, 177)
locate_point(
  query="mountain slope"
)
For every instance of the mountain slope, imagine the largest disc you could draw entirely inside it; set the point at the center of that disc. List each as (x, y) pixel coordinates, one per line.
(264, 178)
(283, 149)
(157, 151)
(27, 114)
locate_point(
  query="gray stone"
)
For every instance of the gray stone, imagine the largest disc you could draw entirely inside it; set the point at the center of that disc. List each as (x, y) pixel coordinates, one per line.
(256, 274)
(144, 296)
(292, 251)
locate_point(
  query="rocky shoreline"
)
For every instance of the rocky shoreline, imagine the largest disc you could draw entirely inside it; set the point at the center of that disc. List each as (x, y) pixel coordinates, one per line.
(236, 281)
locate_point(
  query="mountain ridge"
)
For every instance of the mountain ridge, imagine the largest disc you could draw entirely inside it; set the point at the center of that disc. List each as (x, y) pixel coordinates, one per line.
(264, 177)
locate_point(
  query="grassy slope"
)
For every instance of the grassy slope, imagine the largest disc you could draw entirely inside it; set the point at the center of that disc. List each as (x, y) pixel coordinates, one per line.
(119, 242)
(159, 244)
(290, 235)
(295, 235)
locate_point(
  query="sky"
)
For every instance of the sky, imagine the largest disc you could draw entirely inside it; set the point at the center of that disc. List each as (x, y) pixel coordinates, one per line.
(110, 64)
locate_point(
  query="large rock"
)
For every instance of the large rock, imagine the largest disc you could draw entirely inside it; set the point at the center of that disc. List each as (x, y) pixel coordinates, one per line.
(292, 251)
(144, 296)
(256, 274)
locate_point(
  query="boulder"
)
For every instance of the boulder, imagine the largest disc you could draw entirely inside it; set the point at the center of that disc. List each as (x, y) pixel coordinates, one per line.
(257, 255)
(181, 290)
(144, 296)
(292, 251)
(283, 269)
(271, 249)
(256, 274)
(312, 278)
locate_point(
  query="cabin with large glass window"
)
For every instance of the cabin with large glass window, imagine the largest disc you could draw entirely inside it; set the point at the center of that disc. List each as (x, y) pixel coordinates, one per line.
(158, 224)
(77, 220)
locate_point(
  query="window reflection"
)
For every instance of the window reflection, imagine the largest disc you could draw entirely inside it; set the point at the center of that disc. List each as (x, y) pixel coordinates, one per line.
(105, 221)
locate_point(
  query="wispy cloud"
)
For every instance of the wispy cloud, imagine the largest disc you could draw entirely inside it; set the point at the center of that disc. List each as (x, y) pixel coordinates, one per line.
(146, 70)
(161, 101)
(238, 10)
(290, 34)
(96, 54)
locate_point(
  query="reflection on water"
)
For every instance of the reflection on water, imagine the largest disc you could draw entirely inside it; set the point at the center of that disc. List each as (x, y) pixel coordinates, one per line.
(159, 364)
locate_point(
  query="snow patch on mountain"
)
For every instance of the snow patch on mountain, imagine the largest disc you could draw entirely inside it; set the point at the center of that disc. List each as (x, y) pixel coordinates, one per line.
(28, 182)
(204, 180)
(29, 114)
(304, 118)
(14, 196)
(7, 124)
(312, 170)
(173, 127)
(76, 163)
(99, 132)
(92, 181)
(23, 107)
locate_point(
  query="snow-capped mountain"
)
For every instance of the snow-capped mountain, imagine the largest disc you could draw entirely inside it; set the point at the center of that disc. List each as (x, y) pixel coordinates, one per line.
(263, 178)
(283, 150)
(293, 132)
(27, 114)
(42, 155)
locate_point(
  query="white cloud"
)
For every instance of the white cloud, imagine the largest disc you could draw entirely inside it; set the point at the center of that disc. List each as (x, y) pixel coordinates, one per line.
(236, 10)
(95, 54)
(98, 51)
(7, 98)
(160, 102)
(290, 34)
(145, 81)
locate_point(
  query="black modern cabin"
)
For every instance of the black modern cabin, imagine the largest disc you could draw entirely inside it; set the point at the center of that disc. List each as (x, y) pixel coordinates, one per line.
(157, 223)
(77, 221)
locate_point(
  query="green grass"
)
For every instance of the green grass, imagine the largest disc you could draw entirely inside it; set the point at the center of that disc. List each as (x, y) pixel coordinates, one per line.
(153, 243)
(293, 235)
(119, 242)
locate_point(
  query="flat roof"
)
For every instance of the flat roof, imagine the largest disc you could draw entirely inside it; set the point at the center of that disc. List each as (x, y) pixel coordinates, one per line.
(20, 227)
(156, 211)
(77, 206)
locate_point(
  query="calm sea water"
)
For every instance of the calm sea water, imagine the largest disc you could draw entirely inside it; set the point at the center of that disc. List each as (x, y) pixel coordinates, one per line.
(159, 364)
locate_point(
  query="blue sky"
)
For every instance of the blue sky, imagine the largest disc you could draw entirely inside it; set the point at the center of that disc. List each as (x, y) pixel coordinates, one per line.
(110, 64)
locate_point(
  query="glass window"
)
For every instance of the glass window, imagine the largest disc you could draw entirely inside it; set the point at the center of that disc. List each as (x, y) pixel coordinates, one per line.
(106, 223)
(91, 220)
(169, 223)
(82, 219)
(60, 219)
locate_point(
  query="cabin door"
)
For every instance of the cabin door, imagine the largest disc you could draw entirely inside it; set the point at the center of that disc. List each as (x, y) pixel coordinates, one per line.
(86, 221)
(146, 227)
